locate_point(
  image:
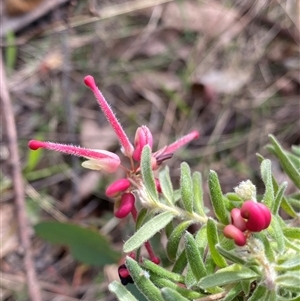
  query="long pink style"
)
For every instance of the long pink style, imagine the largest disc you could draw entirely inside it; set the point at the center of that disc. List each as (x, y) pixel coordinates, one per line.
(127, 147)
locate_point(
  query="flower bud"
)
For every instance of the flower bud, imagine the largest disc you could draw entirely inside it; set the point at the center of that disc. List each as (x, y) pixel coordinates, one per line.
(125, 205)
(232, 232)
(237, 220)
(124, 275)
(258, 216)
(116, 187)
(143, 137)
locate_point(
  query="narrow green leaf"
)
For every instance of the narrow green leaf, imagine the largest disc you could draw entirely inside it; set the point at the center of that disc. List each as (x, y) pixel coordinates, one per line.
(267, 246)
(186, 186)
(142, 216)
(190, 279)
(285, 162)
(147, 174)
(169, 229)
(201, 240)
(235, 291)
(162, 272)
(142, 281)
(86, 245)
(193, 256)
(259, 293)
(284, 204)
(227, 277)
(266, 174)
(231, 256)
(276, 232)
(292, 263)
(198, 194)
(166, 185)
(171, 295)
(278, 198)
(147, 231)
(210, 264)
(290, 280)
(121, 292)
(213, 240)
(162, 283)
(174, 239)
(292, 232)
(246, 286)
(217, 198)
(180, 263)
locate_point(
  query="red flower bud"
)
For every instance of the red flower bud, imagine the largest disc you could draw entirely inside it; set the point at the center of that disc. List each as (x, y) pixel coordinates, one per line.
(116, 187)
(143, 137)
(126, 205)
(232, 232)
(258, 216)
(124, 275)
(237, 220)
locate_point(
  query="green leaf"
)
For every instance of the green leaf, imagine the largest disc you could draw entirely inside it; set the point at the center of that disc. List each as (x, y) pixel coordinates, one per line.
(190, 280)
(186, 186)
(166, 185)
(87, 246)
(147, 231)
(259, 293)
(198, 194)
(162, 283)
(147, 174)
(231, 256)
(266, 174)
(289, 280)
(121, 292)
(142, 281)
(236, 290)
(201, 240)
(267, 246)
(276, 232)
(292, 232)
(278, 198)
(162, 272)
(193, 256)
(292, 263)
(223, 278)
(284, 204)
(142, 217)
(285, 162)
(171, 295)
(174, 239)
(213, 240)
(246, 285)
(180, 263)
(217, 198)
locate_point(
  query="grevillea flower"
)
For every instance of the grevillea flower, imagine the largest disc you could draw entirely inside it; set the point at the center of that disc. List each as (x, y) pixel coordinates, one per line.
(122, 189)
(251, 217)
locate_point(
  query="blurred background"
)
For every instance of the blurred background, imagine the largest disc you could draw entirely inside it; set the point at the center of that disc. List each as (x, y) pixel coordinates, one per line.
(229, 69)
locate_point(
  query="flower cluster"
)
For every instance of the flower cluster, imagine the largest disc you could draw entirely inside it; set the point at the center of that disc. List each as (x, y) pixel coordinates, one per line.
(122, 190)
(251, 217)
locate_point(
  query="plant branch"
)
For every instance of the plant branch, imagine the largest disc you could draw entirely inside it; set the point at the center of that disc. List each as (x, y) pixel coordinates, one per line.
(18, 185)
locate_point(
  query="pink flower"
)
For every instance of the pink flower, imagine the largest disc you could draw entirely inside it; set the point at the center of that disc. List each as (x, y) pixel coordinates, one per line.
(110, 162)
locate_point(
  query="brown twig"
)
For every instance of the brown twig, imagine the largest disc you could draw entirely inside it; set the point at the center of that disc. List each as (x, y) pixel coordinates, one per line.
(7, 110)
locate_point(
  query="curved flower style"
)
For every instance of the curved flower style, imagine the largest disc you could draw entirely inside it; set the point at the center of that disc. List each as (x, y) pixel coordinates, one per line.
(121, 189)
